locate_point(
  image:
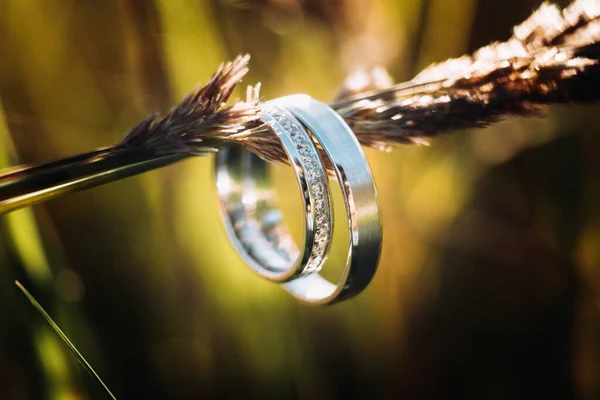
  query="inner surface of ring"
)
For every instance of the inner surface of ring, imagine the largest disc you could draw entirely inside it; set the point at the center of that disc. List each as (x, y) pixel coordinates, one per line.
(251, 208)
(249, 203)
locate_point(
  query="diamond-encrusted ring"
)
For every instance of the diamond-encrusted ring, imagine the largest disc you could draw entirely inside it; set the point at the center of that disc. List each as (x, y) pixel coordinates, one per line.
(360, 198)
(255, 226)
(253, 221)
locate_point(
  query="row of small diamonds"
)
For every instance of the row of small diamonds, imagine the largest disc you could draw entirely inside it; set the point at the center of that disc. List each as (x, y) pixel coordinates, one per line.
(316, 182)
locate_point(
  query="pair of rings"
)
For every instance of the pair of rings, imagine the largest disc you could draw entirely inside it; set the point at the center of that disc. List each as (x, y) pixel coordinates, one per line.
(254, 223)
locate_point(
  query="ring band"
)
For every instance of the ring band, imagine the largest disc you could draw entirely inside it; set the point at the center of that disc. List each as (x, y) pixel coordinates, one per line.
(244, 191)
(253, 221)
(360, 197)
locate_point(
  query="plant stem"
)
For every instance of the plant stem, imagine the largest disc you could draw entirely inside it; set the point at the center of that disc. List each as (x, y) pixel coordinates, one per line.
(33, 184)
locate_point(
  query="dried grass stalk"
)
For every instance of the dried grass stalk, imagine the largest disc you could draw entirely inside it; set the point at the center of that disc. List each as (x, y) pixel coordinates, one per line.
(201, 121)
(552, 57)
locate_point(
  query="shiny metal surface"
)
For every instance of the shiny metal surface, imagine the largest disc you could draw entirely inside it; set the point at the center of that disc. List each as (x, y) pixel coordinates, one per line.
(360, 198)
(253, 221)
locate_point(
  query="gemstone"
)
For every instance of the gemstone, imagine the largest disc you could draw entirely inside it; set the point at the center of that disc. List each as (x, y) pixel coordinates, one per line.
(320, 236)
(320, 247)
(321, 221)
(319, 204)
(297, 142)
(305, 150)
(307, 161)
(285, 123)
(302, 146)
(318, 188)
(311, 172)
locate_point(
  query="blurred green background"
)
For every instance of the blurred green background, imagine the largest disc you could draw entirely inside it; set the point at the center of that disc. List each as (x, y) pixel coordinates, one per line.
(488, 286)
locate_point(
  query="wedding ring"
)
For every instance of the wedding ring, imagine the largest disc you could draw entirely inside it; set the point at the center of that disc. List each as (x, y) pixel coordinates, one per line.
(360, 198)
(253, 221)
(254, 224)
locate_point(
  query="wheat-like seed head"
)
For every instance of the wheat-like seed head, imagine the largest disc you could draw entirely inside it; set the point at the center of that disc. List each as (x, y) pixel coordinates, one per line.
(202, 120)
(552, 57)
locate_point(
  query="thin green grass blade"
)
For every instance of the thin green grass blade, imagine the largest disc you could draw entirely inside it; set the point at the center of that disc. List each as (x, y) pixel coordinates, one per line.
(64, 338)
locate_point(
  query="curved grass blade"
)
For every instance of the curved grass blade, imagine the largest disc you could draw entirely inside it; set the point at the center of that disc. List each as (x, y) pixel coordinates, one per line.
(64, 338)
